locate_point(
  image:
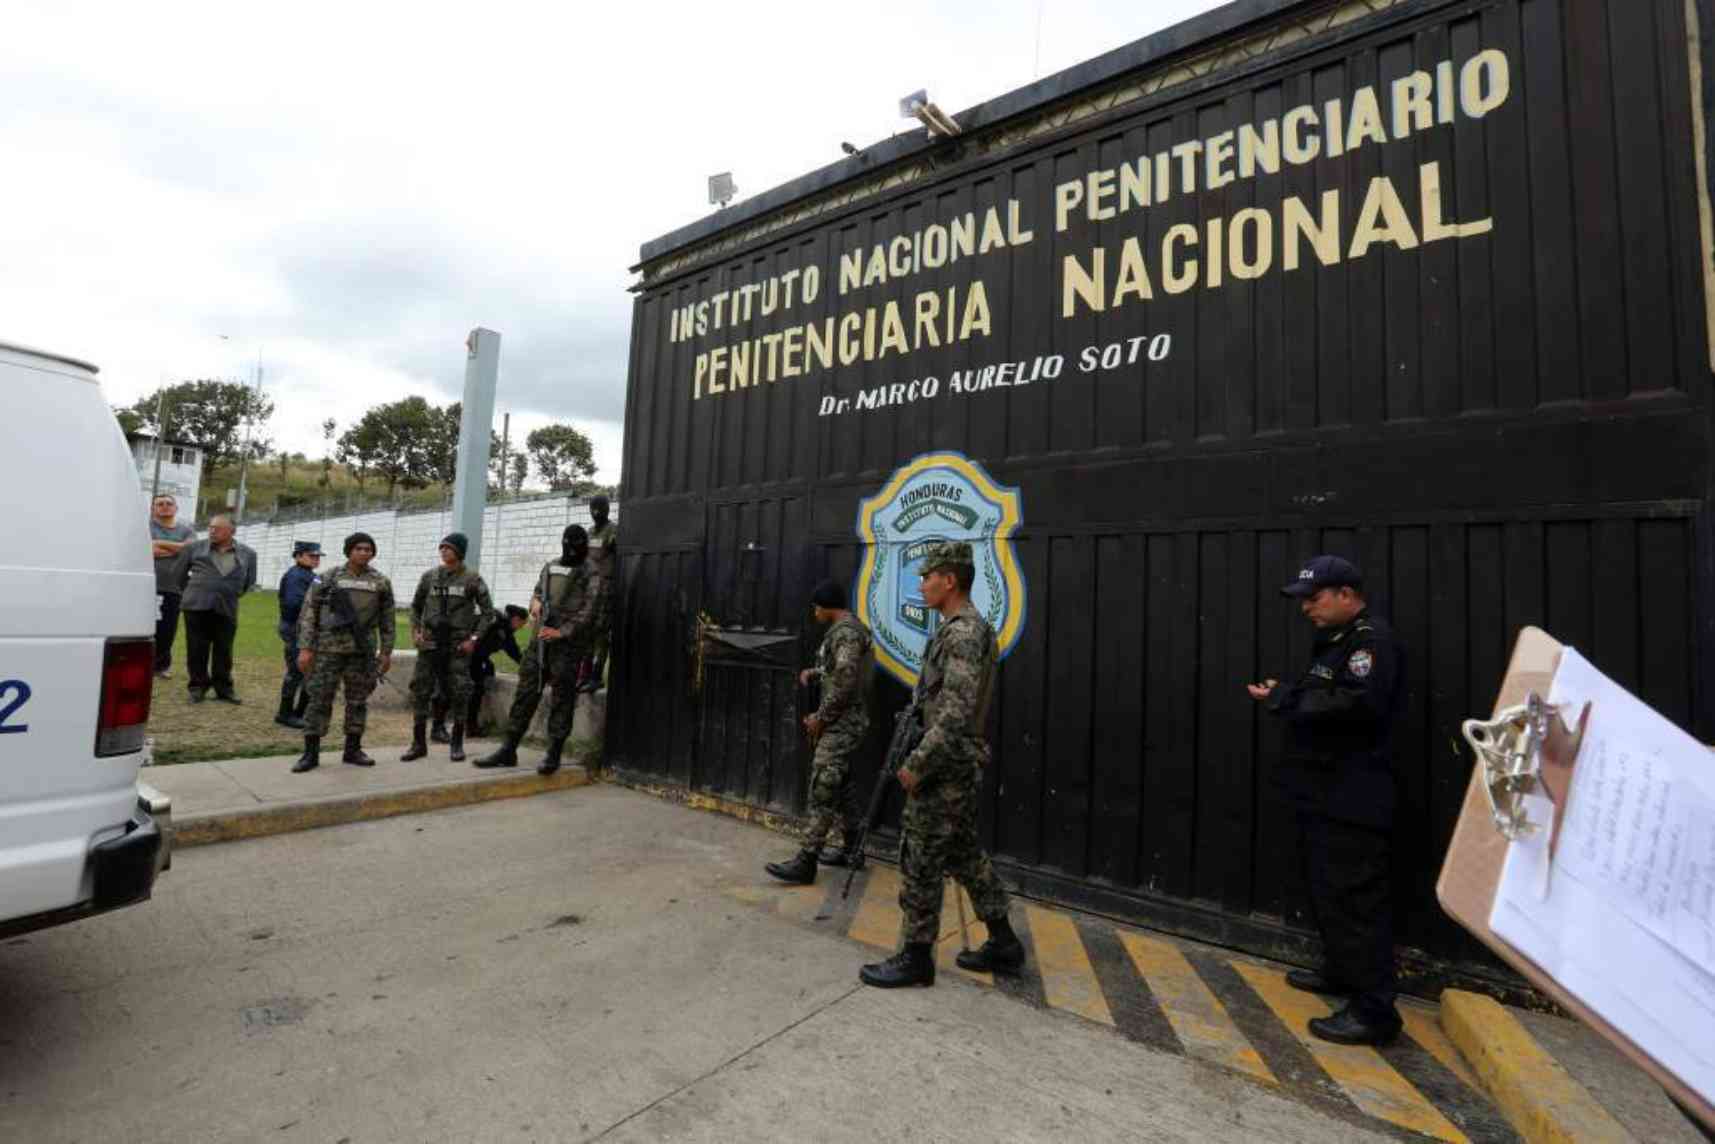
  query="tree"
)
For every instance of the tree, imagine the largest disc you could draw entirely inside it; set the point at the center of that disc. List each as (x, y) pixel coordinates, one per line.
(563, 456)
(395, 440)
(443, 444)
(129, 422)
(283, 461)
(212, 415)
(520, 470)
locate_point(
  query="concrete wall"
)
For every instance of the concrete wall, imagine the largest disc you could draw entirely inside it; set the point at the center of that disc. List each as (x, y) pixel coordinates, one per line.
(516, 538)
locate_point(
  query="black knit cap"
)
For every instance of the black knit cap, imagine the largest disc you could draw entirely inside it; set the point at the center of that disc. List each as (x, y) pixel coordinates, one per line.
(357, 538)
(517, 613)
(457, 541)
(829, 594)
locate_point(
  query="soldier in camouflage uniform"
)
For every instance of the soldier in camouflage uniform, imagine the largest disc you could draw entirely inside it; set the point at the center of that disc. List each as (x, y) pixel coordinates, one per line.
(845, 662)
(454, 597)
(564, 605)
(942, 779)
(336, 650)
(604, 565)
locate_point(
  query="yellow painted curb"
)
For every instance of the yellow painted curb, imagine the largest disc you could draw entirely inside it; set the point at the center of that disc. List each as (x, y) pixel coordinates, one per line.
(1539, 1097)
(338, 810)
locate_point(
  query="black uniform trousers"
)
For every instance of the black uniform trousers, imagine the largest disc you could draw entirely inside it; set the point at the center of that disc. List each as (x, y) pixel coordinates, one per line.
(209, 634)
(166, 627)
(1348, 872)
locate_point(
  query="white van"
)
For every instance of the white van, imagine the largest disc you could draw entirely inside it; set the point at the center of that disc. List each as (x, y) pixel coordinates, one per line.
(77, 618)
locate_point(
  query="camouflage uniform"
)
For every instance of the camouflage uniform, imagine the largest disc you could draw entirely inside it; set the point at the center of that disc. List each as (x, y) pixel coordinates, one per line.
(458, 598)
(845, 663)
(340, 654)
(604, 563)
(939, 829)
(571, 608)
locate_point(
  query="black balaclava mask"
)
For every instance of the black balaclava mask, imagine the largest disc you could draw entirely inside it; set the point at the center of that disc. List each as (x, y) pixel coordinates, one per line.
(598, 510)
(574, 544)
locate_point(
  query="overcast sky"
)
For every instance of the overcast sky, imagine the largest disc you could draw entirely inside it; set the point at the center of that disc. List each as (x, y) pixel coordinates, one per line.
(346, 189)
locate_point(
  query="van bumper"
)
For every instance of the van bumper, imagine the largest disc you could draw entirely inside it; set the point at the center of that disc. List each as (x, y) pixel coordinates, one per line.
(124, 867)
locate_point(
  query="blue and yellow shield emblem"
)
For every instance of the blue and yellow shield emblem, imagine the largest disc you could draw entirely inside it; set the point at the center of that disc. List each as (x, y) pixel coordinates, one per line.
(935, 497)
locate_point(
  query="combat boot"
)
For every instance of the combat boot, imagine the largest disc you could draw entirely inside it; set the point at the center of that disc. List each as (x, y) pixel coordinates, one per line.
(1001, 953)
(1358, 1024)
(912, 965)
(505, 755)
(418, 747)
(438, 730)
(551, 761)
(846, 856)
(285, 716)
(354, 752)
(800, 871)
(456, 754)
(311, 758)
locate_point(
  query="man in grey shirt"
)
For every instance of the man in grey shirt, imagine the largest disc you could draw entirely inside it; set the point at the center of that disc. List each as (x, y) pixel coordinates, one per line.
(168, 538)
(217, 572)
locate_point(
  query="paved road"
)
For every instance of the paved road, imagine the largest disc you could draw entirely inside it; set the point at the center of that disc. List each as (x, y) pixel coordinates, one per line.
(576, 966)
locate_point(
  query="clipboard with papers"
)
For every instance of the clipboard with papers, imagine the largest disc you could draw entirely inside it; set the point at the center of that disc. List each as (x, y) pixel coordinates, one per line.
(1584, 857)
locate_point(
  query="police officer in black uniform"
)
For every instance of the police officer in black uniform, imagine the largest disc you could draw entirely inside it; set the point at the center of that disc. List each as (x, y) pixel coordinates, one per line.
(1337, 776)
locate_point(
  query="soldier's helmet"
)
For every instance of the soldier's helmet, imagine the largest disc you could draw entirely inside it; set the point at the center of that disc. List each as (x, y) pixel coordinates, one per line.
(946, 556)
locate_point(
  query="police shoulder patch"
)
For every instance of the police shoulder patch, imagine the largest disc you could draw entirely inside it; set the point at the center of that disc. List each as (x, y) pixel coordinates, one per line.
(1361, 663)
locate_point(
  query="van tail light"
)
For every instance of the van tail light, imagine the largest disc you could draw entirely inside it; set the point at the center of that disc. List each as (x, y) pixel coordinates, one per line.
(127, 678)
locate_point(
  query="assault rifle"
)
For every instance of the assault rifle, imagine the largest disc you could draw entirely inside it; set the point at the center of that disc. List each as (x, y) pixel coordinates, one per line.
(345, 616)
(809, 701)
(443, 635)
(908, 732)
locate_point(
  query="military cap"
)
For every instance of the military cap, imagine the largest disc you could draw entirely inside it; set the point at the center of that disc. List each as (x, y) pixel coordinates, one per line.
(303, 547)
(946, 555)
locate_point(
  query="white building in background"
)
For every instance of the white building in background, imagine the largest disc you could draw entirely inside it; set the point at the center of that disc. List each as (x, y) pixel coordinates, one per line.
(181, 470)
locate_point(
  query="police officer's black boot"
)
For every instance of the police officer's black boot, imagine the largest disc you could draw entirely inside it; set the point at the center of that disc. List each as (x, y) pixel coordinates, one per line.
(1001, 953)
(311, 758)
(418, 747)
(285, 716)
(1361, 1022)
(1315, 981)
(505, 755)
(800, 871)
(913, 965)
(438, 731)
(551, 761)
(456, 754)
(354, 752)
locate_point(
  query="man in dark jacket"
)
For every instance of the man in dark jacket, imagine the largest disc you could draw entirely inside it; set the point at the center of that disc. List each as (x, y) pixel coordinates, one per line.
(1337, 776)
(294, 585)
(217, 572)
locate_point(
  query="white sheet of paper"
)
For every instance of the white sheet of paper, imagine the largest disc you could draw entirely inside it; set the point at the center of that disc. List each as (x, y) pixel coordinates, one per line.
(1626, 927)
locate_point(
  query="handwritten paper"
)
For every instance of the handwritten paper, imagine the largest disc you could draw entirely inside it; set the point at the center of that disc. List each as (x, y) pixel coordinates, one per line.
(1627, 925)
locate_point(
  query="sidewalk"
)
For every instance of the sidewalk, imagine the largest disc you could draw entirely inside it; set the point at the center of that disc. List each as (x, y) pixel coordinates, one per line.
(230, 799)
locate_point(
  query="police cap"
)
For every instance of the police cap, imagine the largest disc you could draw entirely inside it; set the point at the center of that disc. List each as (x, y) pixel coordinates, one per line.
(1321, 572)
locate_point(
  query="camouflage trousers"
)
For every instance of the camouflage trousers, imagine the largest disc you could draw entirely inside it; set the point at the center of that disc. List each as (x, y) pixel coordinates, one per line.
(830, 782)
(938, 838)
(455, 688)
(563, 658)
(330, 669)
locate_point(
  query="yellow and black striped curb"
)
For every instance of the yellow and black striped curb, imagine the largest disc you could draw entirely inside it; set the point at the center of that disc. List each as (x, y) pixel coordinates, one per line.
(1215, 1006)
(338, 810)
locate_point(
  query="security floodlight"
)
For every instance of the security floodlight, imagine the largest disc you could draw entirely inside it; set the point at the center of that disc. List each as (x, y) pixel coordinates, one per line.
(721, 189)
(917, 106)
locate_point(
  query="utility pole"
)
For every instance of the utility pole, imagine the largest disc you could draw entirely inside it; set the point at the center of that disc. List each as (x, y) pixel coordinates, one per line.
(244, 457)
(160, 440)
(470, 485)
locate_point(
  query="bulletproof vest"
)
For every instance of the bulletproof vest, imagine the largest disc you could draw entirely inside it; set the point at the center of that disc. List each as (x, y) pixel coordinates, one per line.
(936, 669)
(564, 583)
(452, 601)
(602, 548)
(365, 593)
(825, 653)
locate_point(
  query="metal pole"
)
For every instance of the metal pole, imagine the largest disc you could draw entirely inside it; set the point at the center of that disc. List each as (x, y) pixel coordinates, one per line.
(244, 458)
(470, 484)
(160, 438)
